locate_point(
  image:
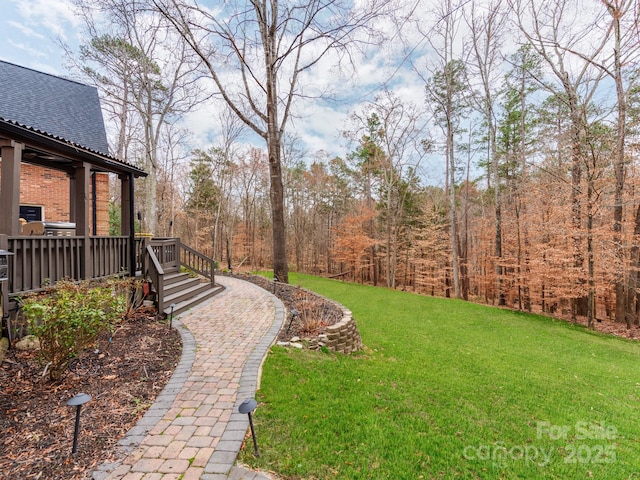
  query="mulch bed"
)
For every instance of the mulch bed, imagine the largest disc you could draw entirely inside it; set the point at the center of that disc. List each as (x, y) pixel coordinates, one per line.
(123, 376)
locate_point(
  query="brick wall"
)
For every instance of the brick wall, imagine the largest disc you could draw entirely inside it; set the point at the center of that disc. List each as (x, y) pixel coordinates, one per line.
(102, 204)
(48, 188)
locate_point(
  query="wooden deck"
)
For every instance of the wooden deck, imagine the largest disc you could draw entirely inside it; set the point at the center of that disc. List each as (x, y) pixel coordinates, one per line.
(40, 261)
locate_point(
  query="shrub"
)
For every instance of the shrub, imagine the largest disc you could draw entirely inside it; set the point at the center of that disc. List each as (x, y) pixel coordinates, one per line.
(310, 312)
(68, 317)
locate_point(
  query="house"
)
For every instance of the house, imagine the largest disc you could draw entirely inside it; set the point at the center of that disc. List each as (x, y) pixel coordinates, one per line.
(67, 110)
(54, 163)
(54, 167)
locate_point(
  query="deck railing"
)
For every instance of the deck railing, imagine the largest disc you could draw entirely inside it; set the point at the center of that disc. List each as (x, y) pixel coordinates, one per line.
(155, 273)
(166, 255)
(167, 252)
(39, 261)
(109, 255)
(197, 262)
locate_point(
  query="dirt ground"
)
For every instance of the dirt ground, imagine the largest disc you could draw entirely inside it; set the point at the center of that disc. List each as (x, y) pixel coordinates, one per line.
(123, 376)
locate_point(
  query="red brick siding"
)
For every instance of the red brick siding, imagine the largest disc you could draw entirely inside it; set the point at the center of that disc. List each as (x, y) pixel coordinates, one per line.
(50, 189)
(102, 204)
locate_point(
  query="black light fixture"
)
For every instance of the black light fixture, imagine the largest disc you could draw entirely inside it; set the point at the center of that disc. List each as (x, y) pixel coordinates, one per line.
(77, 401)
(294, 315)
(248, 406)
(172, 306)
(275, 282)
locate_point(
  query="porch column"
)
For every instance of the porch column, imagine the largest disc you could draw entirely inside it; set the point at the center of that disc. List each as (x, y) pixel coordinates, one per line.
(126, 218)
(11, 153)
(126, 204)
(80, 213)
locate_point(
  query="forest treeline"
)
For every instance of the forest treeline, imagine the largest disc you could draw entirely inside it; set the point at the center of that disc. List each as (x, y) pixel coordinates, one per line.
(509, 177)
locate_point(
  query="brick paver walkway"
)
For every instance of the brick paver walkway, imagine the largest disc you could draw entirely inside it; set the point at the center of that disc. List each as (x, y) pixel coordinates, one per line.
(194, 430)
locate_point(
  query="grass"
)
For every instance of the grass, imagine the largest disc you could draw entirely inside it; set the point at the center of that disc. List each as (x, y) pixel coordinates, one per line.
(448, 389)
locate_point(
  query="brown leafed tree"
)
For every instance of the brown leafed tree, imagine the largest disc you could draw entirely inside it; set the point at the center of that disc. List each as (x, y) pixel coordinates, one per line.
(352, 243)
(570, 50)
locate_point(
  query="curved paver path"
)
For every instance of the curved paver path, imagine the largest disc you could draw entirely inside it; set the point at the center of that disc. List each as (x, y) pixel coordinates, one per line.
(194, 430)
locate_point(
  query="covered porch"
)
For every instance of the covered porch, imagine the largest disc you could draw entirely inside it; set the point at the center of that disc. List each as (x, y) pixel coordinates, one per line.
(36, 259)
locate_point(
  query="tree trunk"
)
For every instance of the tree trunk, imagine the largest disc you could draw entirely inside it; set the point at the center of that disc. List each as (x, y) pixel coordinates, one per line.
(274, 146)
(455, 257)
(620, 174)
(634, 274)
(578, 302)
(591, 305)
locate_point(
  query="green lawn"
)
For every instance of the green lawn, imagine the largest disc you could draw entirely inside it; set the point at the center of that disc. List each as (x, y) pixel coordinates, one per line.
(448, 389)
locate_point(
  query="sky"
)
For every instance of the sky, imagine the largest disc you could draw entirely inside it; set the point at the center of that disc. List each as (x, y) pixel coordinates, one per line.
(33, 31)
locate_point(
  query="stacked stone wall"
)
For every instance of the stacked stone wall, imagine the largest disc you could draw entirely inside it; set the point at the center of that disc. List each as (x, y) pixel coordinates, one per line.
(341, 337)
(344, 336)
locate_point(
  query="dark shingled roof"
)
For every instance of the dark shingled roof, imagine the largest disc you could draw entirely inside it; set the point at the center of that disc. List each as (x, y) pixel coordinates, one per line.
(54, 105)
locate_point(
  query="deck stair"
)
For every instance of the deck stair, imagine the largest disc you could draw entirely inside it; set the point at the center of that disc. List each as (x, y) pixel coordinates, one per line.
(185, 291)
(181, 276)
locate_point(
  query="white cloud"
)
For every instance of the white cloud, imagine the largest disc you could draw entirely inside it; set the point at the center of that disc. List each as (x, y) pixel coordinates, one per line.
(56, 16)
(25, 31)
(27, 48)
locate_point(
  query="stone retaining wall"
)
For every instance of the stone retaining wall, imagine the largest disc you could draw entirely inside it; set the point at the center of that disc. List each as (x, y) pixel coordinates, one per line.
(341, 337)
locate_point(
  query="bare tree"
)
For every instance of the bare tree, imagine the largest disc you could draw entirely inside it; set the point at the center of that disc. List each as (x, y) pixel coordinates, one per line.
(625, 52)
(173, 144)
(398, 134)
(258, 52)
(146, 72)
(225, 155)
(447, 93)
(568, 51)
(486, 30)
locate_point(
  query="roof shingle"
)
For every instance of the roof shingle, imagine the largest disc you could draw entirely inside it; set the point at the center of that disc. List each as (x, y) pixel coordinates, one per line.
(60, 107)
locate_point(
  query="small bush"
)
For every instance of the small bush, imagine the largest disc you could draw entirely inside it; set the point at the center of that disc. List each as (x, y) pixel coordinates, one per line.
(68, 317)
(310, 312)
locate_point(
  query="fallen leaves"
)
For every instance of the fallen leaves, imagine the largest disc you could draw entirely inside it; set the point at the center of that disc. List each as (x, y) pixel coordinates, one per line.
(125, 375)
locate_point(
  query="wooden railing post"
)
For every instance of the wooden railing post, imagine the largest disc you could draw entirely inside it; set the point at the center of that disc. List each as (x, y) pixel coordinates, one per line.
(156, 273)
(196, 262)
(4, 285)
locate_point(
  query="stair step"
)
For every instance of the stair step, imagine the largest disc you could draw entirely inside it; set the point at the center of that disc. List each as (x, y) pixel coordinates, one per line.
(185, 293)
(180, 284)
(194, 300)
(174, 277)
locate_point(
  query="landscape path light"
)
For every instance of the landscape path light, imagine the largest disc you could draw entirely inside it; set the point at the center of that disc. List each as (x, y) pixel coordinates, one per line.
(172, 306)
(248, 406)
(294, 315)
(77, 401)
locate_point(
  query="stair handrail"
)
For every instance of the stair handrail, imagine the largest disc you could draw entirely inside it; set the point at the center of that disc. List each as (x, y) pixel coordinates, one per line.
(197, 262)
(156, 273)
